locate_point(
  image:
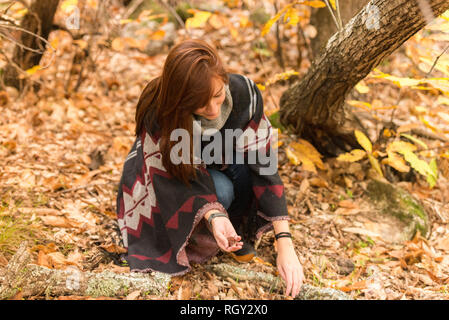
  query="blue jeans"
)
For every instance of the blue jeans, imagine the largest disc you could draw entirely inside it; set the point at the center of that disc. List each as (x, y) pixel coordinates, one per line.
(233, 187)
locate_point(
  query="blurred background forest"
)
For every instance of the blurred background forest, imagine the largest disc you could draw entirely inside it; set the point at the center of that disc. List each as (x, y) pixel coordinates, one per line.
(358, 92)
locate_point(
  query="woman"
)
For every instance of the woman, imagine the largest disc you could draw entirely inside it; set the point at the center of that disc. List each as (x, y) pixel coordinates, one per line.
(172, 213)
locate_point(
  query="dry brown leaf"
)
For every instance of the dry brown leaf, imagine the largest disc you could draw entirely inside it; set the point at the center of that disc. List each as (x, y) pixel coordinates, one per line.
(43, 260)
(51, 247)
(347, 211)
(348, 204)
(84, 180)
(3, 261)
(56, 221)
(261, 261)
(318, 182)
(443, 244)
(304, 185)
(75, 258)
(355, 286)
(17, 296)
(27, 179)
(113, 248)
(57, 260)
(133, 295)
(41, 211)
(185, 291)
(57, 182)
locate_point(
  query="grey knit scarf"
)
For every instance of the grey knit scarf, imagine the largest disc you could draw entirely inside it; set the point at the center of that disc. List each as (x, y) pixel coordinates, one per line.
(219, 122)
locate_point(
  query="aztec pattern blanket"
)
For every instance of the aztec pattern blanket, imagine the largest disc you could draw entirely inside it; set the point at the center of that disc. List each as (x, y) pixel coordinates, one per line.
(161, 219)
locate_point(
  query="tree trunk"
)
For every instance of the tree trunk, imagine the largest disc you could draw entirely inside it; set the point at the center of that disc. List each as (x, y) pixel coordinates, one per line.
(39, 20)
(314, 106)
(322, 20)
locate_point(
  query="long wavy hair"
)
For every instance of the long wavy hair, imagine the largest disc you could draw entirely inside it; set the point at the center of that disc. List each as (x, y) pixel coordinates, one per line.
(171, 98)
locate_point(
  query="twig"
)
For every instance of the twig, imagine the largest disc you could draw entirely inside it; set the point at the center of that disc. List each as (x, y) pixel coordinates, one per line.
(337, 5)
(278, 39)
(175, 14)
(27, 48)
(132, 7)
(436, 61)
(332, 14)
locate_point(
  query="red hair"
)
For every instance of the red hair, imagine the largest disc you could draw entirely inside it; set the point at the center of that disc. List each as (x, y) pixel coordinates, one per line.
(171, 98)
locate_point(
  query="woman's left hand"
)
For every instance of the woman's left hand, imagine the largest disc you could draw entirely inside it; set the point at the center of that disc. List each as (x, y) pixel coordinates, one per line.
(289, 267)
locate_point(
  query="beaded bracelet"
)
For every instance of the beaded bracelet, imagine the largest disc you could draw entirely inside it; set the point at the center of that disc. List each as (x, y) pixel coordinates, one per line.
(216, 214)
(283, 235)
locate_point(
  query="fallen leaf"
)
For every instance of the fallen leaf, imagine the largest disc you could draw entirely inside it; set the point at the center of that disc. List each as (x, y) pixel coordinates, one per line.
(347, 212)
(360, 285)
(57, 260)
(76, 258)
(347, 204)
(318, 182)
(443, 244)
(56, 221)
(41, 211)
(113, 248)
(43, 260)
(3, 261)
(133, 295)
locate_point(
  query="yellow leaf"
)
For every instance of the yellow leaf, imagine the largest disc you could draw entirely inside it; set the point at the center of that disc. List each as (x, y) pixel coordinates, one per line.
(292, 16)
(419, 165)
(360, 104)
(415, 140)
(400, 147)
(375, 164)
(198, 20)
(292, 157)
(353, 156)
(157, 35)
(432, 177)
(125, 21)
(244, 21)
(428, 125)
(270, 22)
(314, 4)
(306, 150)
(363, 141)
(395, 161)
(295, 153)
(68, 5)
(33, 70)
(362, 87)
(333, 4)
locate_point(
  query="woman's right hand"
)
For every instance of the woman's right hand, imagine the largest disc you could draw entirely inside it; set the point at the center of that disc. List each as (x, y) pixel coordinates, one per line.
(225, 235)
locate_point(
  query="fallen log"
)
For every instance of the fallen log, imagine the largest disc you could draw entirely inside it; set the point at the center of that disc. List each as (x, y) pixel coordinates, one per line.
(307, 292)
(33, 280)
(21, 275)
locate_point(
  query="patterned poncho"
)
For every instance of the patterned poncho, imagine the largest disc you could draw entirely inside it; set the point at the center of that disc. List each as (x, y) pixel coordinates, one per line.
(161, 219)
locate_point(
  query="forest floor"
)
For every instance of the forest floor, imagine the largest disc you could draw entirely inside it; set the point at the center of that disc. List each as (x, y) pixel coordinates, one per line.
(61, 159)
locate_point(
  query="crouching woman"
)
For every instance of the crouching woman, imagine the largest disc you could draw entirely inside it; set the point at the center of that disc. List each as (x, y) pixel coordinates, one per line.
(173, 213)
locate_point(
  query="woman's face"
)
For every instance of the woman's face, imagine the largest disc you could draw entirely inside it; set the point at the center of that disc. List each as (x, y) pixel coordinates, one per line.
(213, 109)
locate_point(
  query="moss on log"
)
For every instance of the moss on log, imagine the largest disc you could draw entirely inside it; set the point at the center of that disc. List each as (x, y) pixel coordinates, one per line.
(394, 201)
(307, 292)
